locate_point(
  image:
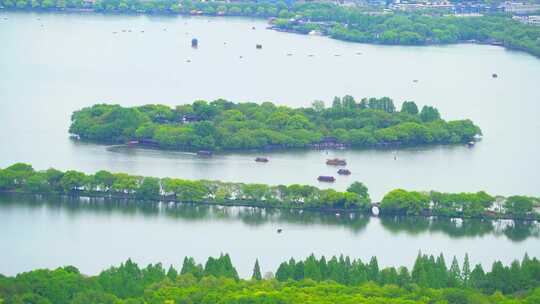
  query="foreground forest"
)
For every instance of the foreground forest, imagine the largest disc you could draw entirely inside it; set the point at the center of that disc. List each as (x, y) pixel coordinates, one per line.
(22, 178)
(313, 280)
(224, 125)
(339, 22)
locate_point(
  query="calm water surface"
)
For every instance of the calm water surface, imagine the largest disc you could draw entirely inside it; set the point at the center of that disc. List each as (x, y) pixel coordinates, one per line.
(74, 61)
(94, 234)
(60, 63)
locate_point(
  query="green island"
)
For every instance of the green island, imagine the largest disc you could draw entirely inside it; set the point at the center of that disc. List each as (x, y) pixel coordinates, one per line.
(366, 25)
(224, 125)
(336, 280)
(22, 178)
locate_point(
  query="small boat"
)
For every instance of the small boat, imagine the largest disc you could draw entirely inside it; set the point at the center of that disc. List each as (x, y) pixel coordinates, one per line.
(325, 178)
(471, 144)
(344, 172)
(258, 46)
(289, 54)
(204, 153)
(194, 42)
(279, 230)
(252, 27)
(494, 75)
(261, 159)
(188, 60)
(336, 162)
(133, 143)
(416, 80)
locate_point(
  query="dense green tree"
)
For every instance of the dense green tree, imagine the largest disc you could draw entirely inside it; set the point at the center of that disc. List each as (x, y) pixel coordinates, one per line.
(256, 271)
(429, 114)
(149, 188)
(409, 107)
(223, 125)
(518, 205)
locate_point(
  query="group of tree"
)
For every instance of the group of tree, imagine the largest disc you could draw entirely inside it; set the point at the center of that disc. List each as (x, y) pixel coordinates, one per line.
(479, 204)
(23, 178)
(428, 272)
(224, 125)
(338, 280)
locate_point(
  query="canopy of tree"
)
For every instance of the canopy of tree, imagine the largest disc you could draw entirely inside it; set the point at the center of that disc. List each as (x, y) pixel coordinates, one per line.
(223, 125)
(338, 280)
(479, 204)
(416, 29)
(22, 177)
(339, 22)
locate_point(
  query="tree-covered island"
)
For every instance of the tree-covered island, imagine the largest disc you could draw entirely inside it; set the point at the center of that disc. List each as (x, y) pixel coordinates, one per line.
(224, 125)
(22, 178)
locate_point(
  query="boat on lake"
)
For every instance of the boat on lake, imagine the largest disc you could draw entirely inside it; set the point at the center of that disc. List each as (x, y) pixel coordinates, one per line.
(204, 153)
(336, 162)
(344, 172)
(325, 178)
(261, 159)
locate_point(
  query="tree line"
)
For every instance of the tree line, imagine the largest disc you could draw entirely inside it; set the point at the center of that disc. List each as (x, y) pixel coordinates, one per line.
(22, 177)
(224, 125)
(339, 22)
(418, 29)
(338, 280)
(466, 205)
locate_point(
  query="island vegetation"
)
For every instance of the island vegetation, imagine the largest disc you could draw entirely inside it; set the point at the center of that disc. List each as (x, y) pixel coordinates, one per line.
(224, 125)
(336, 280)
(22, 178)
(340, 22)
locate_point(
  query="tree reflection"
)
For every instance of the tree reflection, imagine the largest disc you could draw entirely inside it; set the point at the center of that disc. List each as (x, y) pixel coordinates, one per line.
(252, 216)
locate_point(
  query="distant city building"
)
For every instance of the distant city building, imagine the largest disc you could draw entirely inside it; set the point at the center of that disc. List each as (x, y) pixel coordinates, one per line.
(520, 8)
(530, 20)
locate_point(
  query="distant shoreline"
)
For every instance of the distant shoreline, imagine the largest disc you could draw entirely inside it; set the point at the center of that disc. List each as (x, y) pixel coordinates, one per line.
(269, 18)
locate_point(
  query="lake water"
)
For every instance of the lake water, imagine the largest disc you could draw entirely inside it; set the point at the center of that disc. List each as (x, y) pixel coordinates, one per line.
(94, 234)
(54, 64)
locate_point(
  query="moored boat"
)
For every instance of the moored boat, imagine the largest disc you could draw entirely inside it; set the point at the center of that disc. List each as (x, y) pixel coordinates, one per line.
(336, 162)
(328, 179)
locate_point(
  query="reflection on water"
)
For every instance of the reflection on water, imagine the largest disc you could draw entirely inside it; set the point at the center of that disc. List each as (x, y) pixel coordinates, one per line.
(253, 216)
(462, 228)
(96, 233)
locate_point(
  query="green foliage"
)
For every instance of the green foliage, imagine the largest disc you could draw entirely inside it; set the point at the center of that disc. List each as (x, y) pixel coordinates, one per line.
(256, 271)
(23, 178)
(338, 280)
(355, 25)
(401, 201)
(223, 125)
(518, 205)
